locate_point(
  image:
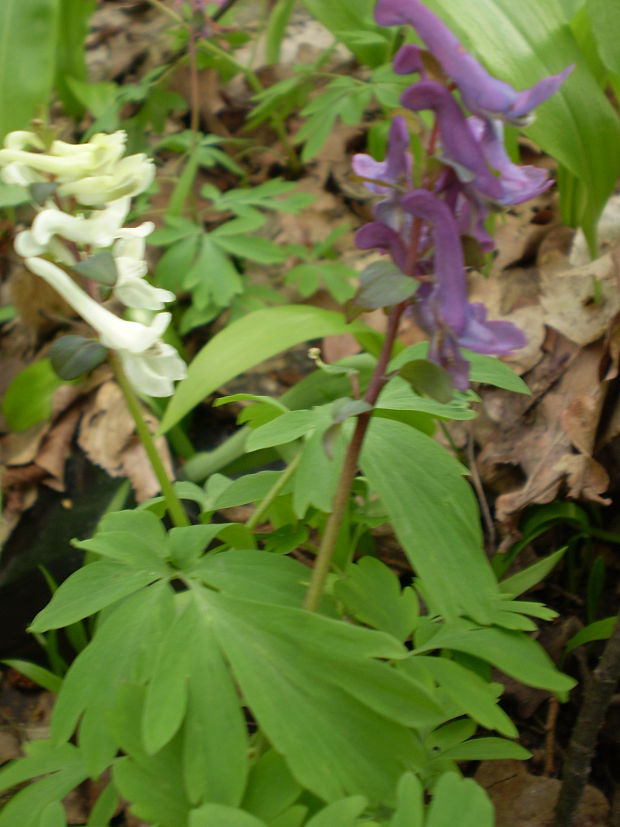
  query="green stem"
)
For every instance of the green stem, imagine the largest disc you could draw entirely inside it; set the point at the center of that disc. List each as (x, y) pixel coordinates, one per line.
(273, 493)
(175, 509)
(349, 470)
(167, 11)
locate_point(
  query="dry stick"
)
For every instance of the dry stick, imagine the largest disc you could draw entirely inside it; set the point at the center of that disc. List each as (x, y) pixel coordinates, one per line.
(598, 695)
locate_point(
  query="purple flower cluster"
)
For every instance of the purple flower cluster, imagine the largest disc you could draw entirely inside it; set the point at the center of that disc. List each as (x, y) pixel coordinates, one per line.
(477, 175)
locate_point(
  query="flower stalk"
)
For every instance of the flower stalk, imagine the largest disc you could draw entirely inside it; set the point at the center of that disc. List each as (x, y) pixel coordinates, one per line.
(173, 503)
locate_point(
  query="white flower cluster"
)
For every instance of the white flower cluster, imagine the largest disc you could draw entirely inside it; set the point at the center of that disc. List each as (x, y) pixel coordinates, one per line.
(96, 176)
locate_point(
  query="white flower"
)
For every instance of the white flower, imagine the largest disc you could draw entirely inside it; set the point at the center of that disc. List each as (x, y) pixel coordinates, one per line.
(151, 366)
(100, 229)
(131, 287)
(129, 177)
(67, 162)
(154, 371)
(95, 173)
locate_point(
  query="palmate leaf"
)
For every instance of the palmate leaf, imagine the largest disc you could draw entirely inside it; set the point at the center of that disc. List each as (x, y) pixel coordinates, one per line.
(271, 788)
(153, 784)
(121, 650)
(64, 768)
(340, 718)
(191, 683)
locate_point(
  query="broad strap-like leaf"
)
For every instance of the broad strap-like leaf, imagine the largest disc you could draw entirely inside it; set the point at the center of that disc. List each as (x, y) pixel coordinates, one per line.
(28, 33)
(248, 342)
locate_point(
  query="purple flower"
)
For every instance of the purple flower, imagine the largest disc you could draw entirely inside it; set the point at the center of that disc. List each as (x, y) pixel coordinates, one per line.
(473, 146)
(518, 183)
(482, 94)
(397, 164)
(442, 309)
(462, 149)
(384, 238)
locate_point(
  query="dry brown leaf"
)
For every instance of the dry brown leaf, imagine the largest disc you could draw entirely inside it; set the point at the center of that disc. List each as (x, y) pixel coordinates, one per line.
(552, 442)
(581, 302)
(56, 448)
(107, 437)
(524, 800)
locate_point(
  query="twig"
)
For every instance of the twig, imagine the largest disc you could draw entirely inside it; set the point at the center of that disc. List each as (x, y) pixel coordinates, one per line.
(598, 695)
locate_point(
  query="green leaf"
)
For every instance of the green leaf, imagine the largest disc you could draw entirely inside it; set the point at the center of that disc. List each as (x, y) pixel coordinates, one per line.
(372, 593)
(522, 44)
(53, 815)
(525, 579)
(73, 356)
(285, 428)
(271, 788)
(28, 38)
(417, 481)
(344, 813)
(120, 652)
(256, 576)
(428, 378)
(249, 489)
(318, 472)
(191, 681)
(410, 808)
(487, 749)
(64, 769)
(382, 284)
(48, 680)
(346, 19)
(100, 267)
(453, 794)
(475, 696)
(605, 20)
(290, 664)
(70, 62)
(276, 27)
(399, 396)
(218, 815)
(188, 542)
(253, 247)
(99, 98)
(87, 591)
(599, 630)
(246, 343)
(12, 195)
(104, 808)
(488, 370)
(28, 399)
(512, 652)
